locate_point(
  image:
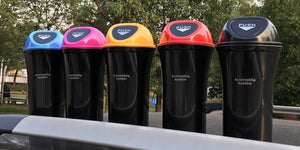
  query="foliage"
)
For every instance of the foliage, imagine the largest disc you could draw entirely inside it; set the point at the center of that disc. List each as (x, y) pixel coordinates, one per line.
(11, 34)
(286, 17)
(19, 18)
(17, 87)
(216, 14)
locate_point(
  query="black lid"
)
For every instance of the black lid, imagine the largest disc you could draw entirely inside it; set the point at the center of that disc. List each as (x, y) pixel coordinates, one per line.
(249, 30)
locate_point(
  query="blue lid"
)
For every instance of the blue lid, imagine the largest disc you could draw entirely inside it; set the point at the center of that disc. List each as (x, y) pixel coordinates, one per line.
(44, 40)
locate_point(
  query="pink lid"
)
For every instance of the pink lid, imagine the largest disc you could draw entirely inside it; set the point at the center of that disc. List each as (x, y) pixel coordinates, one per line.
(83, 37)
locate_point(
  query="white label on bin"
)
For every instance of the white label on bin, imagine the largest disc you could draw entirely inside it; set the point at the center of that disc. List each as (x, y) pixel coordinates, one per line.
(180, 78)
(44, 36)
(244, 81)
(42, 76)
(183, 28)
(123, 31)
(247, 26)
(74, 76)
(77, 34)
(121, 77)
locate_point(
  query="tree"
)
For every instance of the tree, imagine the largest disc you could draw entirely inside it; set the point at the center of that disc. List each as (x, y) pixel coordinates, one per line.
(216, 14)
(48, 14)
(156, 14)
(286, 17)
(20, 18)
(11, 33)
(163, 12)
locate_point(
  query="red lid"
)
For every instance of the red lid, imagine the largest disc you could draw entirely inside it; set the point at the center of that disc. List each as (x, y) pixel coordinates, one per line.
(186, 32)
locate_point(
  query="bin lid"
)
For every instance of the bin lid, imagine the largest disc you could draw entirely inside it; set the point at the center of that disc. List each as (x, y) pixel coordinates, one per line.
(44, 39)
(186, 32)
(129, 35)
(83, 37)
(249, 30)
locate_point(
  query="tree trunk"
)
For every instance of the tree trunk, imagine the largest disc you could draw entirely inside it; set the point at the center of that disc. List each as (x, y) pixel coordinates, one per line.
(158, 103)
(106, 104)
(105, 93)
(15, 76)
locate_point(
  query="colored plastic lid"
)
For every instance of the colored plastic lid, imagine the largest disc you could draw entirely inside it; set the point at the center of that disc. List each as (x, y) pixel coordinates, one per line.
(44, 39)
(186, 32)
(248, 30)
(129, 35)
(83, 37)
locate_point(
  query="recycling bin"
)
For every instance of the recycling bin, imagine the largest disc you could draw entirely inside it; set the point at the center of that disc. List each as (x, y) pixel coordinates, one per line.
(185, 50)
(129, 54)
(45, 70)
(248, 49)
(85, 63)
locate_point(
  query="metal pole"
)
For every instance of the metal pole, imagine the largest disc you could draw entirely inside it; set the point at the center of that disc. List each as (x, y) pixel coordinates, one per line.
(2, 83)
(277, 109)
(288, 110)
(1, 74)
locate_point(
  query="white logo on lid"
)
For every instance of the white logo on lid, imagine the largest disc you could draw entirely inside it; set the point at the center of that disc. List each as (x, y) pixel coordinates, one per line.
(44, 36)
(247, 26)
(77, 34)
(123, 31)
(183, 28)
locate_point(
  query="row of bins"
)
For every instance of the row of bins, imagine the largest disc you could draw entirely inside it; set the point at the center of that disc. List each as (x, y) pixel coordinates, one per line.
(66, 74)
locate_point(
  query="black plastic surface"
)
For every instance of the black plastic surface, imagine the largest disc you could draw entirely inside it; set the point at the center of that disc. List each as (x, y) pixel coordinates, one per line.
(248, 50)
(251, 30)
(84, 83)
(185, 73)
(46, 84)
(128, 84)
(248, 79)
(9, 122)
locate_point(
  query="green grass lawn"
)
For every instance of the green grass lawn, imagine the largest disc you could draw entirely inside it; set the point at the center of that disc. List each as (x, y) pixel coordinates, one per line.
(13, 109)
(214, 100)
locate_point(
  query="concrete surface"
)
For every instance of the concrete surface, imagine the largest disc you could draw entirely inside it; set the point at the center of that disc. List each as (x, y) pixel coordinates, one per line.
(284, 131)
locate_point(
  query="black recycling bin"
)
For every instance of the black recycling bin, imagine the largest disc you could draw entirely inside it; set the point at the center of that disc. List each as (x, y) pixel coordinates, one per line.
(129, 54)
(84, 62)
(45, 69)
(185, 50)
(248, 49)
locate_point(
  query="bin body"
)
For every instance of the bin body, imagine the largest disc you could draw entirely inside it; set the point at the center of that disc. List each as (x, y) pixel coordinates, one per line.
(85, 62)
(185, 51)
(248, 50)
(45, 70)
(129, 54)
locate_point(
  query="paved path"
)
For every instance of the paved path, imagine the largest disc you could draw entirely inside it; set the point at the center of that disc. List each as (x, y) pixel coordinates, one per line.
(284, 131)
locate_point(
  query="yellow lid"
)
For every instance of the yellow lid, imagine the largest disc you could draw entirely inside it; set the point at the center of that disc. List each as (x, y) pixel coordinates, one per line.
(129, 35)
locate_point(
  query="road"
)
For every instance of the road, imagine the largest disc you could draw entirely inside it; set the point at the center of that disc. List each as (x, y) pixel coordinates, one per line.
(284, 131)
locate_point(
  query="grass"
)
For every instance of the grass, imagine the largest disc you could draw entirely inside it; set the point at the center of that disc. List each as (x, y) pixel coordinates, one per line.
(13, 109)
(214, 100)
